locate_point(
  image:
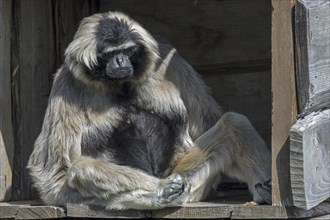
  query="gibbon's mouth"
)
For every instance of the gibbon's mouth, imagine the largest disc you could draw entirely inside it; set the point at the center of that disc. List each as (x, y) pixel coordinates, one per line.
(120, 74)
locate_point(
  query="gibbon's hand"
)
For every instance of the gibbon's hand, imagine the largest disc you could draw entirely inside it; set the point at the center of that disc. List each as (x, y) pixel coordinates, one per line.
(174, 189)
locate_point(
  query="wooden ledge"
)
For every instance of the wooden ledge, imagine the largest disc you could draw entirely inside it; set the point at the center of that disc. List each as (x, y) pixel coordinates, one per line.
(214, 209)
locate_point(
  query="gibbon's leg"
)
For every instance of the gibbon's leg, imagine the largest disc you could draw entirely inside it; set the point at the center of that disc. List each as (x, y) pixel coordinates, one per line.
(233, 147)
(121, 187)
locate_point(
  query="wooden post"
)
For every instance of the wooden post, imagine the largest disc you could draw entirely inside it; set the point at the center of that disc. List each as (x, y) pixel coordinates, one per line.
(313, 55)
(41, 31)
(284, 99)
(310, 159)
(33, 64)
(309, 137)
(6, 128)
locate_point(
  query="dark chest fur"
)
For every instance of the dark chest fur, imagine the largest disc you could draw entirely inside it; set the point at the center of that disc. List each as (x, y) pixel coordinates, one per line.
(143, 139)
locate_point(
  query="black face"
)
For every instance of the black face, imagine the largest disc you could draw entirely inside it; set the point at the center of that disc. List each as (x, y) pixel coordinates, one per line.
(121, 54)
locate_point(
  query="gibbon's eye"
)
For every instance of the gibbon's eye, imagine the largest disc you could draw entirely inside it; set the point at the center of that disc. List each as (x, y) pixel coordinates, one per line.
(105, 56)
(130, 51)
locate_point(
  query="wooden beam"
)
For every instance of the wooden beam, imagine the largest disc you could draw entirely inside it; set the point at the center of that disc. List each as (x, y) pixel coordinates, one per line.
(33, 64)
(310, 159)
(284, 99)
(67, 17)
(6, 128)
(41, 31)
(8, 211)
(209, 210)
(80, 210)
(313, 55)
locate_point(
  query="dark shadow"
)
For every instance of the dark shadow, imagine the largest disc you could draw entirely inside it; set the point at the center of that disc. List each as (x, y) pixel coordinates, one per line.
(283, 171)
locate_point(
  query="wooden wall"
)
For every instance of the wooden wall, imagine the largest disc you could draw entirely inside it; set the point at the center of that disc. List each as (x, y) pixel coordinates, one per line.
(6, 127)
(227, 41)
(33, 36)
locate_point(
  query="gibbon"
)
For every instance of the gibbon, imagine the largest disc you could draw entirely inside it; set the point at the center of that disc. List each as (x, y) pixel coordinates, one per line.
(131, 125)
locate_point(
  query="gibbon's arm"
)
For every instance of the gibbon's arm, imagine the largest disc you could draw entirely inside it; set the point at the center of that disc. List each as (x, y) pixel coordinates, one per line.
(203, 110)
(62, 175)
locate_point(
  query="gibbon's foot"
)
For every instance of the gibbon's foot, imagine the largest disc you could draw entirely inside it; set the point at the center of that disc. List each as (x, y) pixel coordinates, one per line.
(265, 191)
(172, 188)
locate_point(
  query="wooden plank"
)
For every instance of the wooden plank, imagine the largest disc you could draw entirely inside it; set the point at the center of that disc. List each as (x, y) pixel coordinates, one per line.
(313, 55)
(210, 210)
(6, 127)
(310, 159)
(33, 63)
(85, 211)
(67, 16)
(31, 212)
(37, 35)
(277, 212)
(284, 99)
(324, 217)
(208, 31)
(195, 210)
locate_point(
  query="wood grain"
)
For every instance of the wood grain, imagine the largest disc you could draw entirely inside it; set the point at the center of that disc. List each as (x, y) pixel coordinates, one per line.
(67, 16)
(41, 31)
(206, 210)
(79, 210)
(9, 211)
(33, 63)
(284, 99)
(6, 127)
(310, 159)
(313, 55)
(208, 31)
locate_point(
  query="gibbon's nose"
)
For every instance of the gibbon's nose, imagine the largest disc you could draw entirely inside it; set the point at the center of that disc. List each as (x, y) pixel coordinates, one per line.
(121, 61)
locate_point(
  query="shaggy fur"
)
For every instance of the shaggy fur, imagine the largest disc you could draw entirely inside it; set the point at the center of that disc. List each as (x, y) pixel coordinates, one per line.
(153, 139)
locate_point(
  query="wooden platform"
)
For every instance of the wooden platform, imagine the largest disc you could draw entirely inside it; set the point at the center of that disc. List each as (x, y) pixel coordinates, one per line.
(214, 209)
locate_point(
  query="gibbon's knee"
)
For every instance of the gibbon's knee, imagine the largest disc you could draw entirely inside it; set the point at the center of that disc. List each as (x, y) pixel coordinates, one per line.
(232, 146)
(235, 120)
(246, 139)
(222, 141)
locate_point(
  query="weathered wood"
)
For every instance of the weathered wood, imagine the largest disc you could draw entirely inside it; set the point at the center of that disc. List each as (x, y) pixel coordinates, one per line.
(277, 212)
(324, 217)
(196, 210)
(6, 128)
(209, 210)
(205, 32)
(313, 54)
(30, 212)
(42, 29)
(67, 16)
(76, 210)
(284, 99)
(33, 63)
(310, 159)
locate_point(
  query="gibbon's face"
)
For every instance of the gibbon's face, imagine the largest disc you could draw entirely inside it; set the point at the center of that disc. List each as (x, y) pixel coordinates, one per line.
(120, 51)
